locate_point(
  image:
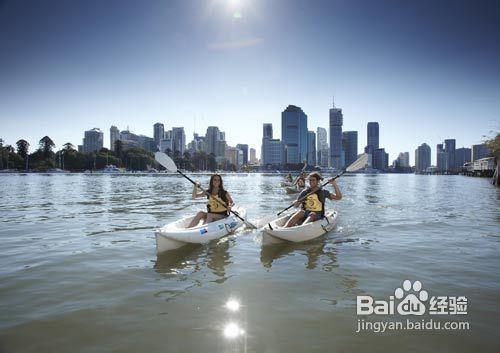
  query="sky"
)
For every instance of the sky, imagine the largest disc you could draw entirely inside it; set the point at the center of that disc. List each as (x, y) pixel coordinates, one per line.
(425, 70)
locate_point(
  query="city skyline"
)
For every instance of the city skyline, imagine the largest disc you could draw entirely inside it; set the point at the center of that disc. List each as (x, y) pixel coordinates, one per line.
(219, 63)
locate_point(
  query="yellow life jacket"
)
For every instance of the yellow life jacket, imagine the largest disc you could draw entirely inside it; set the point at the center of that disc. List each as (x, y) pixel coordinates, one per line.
(214, 206)
(312, 203)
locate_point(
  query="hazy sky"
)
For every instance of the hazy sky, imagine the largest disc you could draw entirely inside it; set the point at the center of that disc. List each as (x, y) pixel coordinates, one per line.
(425, 70)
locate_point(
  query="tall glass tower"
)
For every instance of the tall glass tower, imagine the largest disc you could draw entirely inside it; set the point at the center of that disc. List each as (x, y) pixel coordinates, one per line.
(294, 135)
(336, 121)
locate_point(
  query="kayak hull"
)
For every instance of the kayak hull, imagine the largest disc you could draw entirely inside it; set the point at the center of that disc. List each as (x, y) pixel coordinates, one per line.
(174, 235)
(299, 233)
(290, 190)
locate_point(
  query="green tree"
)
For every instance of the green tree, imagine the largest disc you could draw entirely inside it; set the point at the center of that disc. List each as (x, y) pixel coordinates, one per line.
(68, 146)
(494, 146)
(118, 148)
(46, 145)
(22, 151)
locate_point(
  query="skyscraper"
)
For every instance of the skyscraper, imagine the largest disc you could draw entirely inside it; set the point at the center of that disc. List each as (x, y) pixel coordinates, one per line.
(158, 132)
(271, 150)
(294, 135)
(372, 130)
(211, 138)
(422, 157)
(114, 135)
(381, 159)
(440, 158)
(253, 156)
(198, 143)
(311, 148)
(178, 140)
(462, 155)
(244, 149)
(449, 150)
(93, 140)
(267, 130)
(322, 146)
(480, 151)
(336, 121)
(350, 146)
(403, 160)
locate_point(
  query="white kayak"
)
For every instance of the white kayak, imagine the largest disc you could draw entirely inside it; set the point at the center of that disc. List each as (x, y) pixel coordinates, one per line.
(175, 235)
(299, 233)
(292, 190)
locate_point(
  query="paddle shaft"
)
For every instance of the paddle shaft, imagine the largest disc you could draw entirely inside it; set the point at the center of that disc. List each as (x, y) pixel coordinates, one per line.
(312, 192)
(219, 202)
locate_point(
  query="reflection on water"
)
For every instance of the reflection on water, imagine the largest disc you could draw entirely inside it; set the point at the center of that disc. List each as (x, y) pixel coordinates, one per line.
(186, 257)
(79, 271)
(313, 250)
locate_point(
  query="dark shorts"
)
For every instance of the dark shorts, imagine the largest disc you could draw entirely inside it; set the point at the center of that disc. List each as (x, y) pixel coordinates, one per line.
(225, 213)
(319, 215)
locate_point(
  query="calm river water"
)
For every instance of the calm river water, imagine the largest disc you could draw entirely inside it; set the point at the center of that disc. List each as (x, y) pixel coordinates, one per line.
(79, 272)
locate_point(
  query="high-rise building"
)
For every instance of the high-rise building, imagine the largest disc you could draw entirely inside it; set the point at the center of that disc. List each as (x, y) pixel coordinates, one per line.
(350, 146)
(403, 160)
(267, 130)
(244, 149)
(253, 156)
(480, 151)
(372, 130)
(131, 140)
(93, 140)
(178, 140)
(294, 135)
(211, 138)
(198, 144)
(440, 158)
(336, 122)
(311, 148)
(220, 149)
(234, 155)
(322, 147)
(114, 135)
(158, 132)
(271, 149)
(449, 150)
(462, 155)
(380, 159)
(422, 157)
(166, 145)
(272, 152)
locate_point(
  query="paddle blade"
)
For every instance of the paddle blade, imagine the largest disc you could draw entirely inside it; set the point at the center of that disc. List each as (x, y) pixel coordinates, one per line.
(358, 163)
(165, 161)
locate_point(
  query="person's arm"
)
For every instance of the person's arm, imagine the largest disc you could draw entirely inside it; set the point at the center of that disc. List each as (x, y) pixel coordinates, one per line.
(297, 203)
(197, 193)
(230, 202)
(338, 194)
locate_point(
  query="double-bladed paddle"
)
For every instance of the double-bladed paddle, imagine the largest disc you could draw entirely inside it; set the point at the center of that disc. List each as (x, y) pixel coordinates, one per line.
(169, 164)
(356, 165)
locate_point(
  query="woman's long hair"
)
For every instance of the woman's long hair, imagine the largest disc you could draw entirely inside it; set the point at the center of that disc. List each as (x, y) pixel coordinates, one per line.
(222, 192)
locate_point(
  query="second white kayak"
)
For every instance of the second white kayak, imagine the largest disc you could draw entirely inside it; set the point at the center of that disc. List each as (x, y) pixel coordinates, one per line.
(302, 232)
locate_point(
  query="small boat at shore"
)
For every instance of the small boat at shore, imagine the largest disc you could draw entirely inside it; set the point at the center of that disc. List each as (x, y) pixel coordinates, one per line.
(275, 232)
(175, 234)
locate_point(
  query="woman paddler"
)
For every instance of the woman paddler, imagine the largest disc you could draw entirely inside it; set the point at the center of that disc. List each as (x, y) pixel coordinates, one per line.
(219, 202)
